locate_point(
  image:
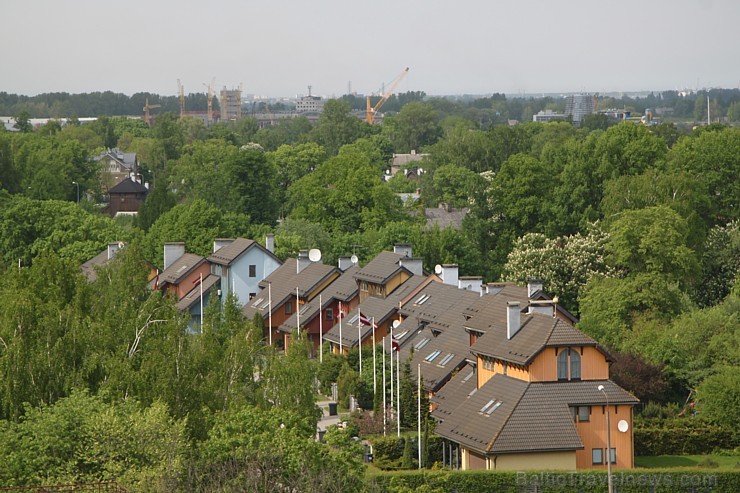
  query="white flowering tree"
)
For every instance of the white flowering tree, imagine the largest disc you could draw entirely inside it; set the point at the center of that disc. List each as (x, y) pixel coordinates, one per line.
(565, 264)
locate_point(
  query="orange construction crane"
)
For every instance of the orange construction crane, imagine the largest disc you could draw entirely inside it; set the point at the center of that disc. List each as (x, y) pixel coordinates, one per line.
(211, 91)
(148, 107)
(372, 110)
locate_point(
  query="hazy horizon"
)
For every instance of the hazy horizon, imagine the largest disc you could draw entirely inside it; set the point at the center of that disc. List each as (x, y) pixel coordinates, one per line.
(278, 48)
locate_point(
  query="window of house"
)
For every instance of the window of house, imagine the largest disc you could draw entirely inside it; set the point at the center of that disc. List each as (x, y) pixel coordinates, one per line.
(563, 365)
(289, 308)
(613, 456)
(569, 365)
(575, 365)
(597, 456)
(330, 314)
(584, 413)
(252, 271)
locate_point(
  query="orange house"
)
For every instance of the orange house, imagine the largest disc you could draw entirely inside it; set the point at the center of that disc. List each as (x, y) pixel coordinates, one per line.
(538, 400)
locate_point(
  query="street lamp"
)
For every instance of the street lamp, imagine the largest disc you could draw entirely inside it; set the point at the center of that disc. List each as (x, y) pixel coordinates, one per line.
(608, 442)
(78, 190)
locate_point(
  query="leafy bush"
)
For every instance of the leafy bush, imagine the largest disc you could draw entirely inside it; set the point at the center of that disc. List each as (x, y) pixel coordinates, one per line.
(682, 436)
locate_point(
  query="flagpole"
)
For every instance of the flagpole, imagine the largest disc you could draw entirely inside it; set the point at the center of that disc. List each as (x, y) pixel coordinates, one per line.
(398, 389)
(341, 316)
(384, 404)
(418, 405)
(201, 302)
(269, 315)
(375, 378)
(297, 312)
(392, 379)
(359, 337)
(321, 331)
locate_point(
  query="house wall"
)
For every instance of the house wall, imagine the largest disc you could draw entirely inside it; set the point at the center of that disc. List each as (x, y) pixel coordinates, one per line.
(593, 435)
(237, 274)
(189, 281)
(544, 368)
(564, 460)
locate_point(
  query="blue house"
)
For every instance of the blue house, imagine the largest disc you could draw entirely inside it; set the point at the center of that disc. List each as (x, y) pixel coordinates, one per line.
(242, 264)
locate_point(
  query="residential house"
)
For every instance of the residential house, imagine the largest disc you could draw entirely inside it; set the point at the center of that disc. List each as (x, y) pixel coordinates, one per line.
(90, 268)
(115, 166)
(242, 264)
(126, 198)
(445, 216)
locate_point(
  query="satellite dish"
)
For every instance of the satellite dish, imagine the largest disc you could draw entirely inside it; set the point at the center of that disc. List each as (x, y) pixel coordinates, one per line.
(396, 323)
(437, 269)
(623, 426)
(354, 259)
(314, 255)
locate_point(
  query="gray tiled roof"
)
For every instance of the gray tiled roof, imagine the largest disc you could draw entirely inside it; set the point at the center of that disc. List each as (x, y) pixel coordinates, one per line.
(99, 260)
(193, 295)
(285, 280)
(454, 392)
(384, 266)
(227, 254)
(179, 269)
(443, 218)
(532, 416)
(344, 288)
(128, 186)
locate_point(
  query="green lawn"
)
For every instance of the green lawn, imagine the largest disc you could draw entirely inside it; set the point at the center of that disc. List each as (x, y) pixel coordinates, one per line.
(662, 461)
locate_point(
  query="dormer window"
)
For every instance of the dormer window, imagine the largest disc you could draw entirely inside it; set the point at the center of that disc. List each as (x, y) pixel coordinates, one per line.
(569, 365)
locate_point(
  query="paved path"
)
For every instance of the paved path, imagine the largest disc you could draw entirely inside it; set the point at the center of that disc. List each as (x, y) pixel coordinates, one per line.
(325, 421)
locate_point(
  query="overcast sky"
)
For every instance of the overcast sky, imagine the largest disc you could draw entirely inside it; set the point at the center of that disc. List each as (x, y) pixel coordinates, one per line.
(279, 47)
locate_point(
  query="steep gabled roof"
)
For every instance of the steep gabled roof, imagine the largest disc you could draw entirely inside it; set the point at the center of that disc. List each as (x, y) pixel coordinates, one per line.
(193, 296)
(231, 252)
(127, 185)
(89, 267)
(179, 269)
(382, 268)
(453, 393)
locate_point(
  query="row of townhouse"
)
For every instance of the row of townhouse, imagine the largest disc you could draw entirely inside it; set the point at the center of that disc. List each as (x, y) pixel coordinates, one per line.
(512, 383)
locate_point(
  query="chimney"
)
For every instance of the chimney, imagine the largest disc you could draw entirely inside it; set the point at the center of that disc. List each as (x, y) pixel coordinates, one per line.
(513, 319)
(402, 248)
(413, 264)
(270, 242)
(113, 249)
(533, 285)
(543, 308)
(303, 261)
(345, 262)
(449, 274)
(219, 243)
(172, 252)
(470, 283)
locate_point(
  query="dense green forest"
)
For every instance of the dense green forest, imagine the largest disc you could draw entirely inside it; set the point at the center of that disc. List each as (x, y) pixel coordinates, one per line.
(635, 229)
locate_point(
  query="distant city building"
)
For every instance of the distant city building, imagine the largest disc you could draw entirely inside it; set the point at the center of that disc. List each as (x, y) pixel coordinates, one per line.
(546, 116)
(309, 104)
(231, 104)
(577, 106)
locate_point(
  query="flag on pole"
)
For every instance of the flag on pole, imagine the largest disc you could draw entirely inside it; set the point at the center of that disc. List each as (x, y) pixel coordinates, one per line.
(384, 404)
(367, 321)
(341, 316)
(375, 378)
(321, 331)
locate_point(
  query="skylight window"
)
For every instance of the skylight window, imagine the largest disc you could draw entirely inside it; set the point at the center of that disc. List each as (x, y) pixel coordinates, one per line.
(473, 392)
(432, 356)
(418, 300)
(256, 303)
(469, 376)
(494, 407)
(265, 304)
(487, 405)
(446, 359)
(354, 319)
(422, 343)
(400, 336)
(423, 299)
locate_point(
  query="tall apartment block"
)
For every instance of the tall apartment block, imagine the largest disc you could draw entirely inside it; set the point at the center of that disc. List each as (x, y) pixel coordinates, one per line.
(231, 104)
(577, 106)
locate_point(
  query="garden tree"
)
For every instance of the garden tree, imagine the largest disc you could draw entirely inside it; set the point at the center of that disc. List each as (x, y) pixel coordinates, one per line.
(678, 190)
(720, 264)
(167, 131)
(289, 381)
(409, 398)
(105, 129)
(627, 149)
(696, 342)
(29, 228)
(465, 147)
(196, 223)
(9, 179)
(552, 135)
(329, 369)
(47, 166)
(615, 310)
(416, 125)
(713, 157)
(718, 396)
(287, 131)
(223, 131)
(653, 240)
(346, 192)
(507, 141)
(255, 450)
(667, 131)
(82, 134)
(294, 235)
(246, 128)
(72, 441)
(337, 127)
(158, 201)
(733, 112)
(293, 162)
(133, 127)
(192, 129)
(23, 122)
(254, 184)
(566, 264)
(596, 121)
(51, 127)
(644, 379)
(454, 185)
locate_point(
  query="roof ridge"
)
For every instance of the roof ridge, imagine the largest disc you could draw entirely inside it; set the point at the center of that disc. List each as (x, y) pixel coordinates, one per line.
(549, 336)
(506, 421)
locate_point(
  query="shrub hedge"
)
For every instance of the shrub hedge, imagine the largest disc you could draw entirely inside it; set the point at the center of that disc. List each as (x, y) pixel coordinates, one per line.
(682, 437)
(625, 481)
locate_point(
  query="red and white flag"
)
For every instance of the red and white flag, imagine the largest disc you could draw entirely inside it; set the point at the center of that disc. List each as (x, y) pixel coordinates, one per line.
(367, 321)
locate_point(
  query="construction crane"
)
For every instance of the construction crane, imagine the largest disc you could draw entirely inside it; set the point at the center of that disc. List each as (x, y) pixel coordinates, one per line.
(211, 90)
(181, 94)
(148, 107)
(372, 110)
